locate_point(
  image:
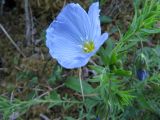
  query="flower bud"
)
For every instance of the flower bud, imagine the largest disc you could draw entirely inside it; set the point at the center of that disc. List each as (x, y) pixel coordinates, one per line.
(142, 74)
(140, 61)
(141, 66)
(97, 118)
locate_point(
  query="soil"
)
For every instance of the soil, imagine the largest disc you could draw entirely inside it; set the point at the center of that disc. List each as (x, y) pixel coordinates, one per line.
(17, 72)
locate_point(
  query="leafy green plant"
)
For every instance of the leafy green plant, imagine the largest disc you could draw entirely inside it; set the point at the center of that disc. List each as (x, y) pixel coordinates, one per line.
(143, 24)
(8, 107)
(113, 91)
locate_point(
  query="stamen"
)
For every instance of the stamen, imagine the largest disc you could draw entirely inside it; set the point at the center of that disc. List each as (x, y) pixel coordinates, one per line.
(88, 46)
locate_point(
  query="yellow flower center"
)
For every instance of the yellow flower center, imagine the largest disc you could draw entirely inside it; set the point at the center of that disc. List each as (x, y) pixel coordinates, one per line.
(88, 46)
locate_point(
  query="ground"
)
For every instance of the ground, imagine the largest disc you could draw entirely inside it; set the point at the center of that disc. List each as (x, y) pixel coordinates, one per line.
(24, 77)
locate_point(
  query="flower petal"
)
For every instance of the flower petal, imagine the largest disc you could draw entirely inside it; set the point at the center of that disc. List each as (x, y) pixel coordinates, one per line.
(76, 63)
(65, 36)
(95, 21)
(74, 18)
(101, 40)
(68, 55)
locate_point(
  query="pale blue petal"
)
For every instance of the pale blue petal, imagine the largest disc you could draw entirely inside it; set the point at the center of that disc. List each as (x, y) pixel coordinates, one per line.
(72, 22)
(66, 34)
(72, 27)
(74, 17)
(99, 42)
(76, 63)
(68, 55)
(93, 14)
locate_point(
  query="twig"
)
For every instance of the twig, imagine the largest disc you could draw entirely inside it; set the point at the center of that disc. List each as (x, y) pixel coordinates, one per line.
(12, 97)
(87, 95)
(2, 3)
(18, 68)
(4, 69)
(28, 22)
(64, 3)
(50, 90)
(91, 61)
(59, 86)
(45, 65)
(31, 22)
(43, 94)
(9, 37)
(44, 117)
(38, 3)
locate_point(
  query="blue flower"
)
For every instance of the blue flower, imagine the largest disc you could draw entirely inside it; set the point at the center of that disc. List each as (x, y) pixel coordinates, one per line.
(142, 74)
(97, 118)
(75, 35)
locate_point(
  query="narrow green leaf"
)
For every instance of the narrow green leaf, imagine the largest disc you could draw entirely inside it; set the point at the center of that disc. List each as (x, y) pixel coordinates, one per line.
(122, 72)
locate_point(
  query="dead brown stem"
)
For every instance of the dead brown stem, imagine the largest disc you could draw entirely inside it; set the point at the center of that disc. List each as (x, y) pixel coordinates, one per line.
(28, 23)
(12, 41)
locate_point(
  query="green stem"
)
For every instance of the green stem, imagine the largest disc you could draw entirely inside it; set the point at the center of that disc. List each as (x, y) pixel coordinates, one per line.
(80, 80)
